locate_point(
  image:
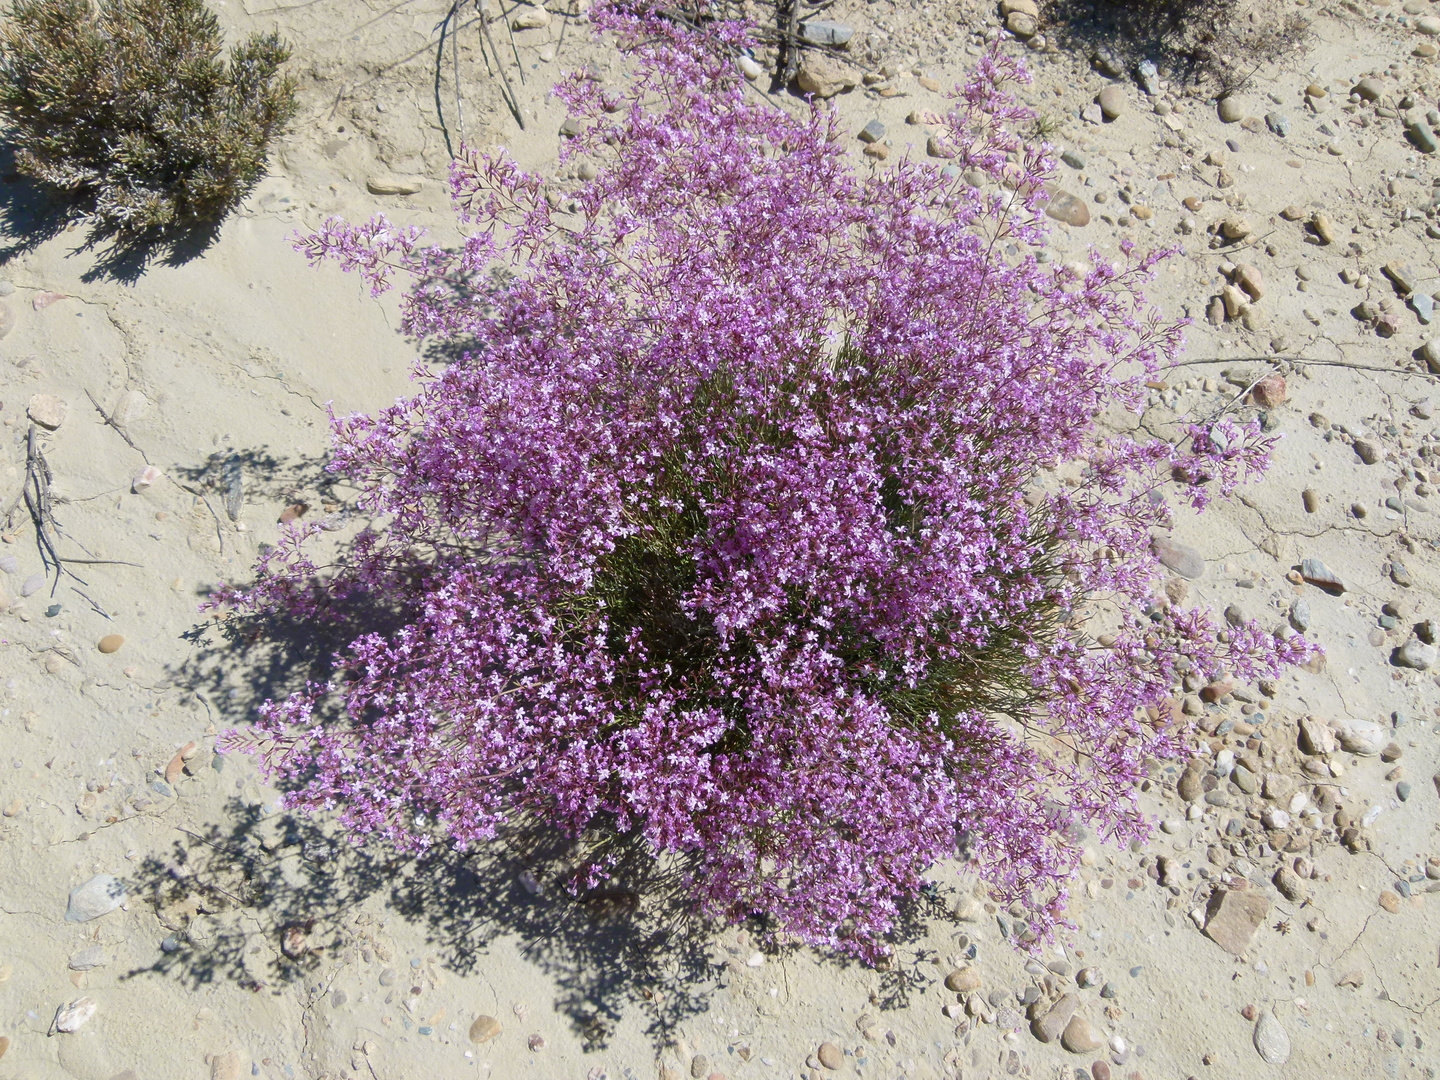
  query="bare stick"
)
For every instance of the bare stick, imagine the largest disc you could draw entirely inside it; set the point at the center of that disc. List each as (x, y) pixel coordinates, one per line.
(520, 64)
(110, 422)
(509, 93)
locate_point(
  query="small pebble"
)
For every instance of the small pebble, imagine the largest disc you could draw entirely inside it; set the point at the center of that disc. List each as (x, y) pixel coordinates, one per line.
(110, 643)
(484, 1029)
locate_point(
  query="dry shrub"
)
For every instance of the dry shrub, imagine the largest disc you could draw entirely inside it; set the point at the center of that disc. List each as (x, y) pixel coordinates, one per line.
(129, 109)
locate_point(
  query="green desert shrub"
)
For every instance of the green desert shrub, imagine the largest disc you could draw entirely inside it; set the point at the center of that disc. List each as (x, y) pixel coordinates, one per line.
(128, 107)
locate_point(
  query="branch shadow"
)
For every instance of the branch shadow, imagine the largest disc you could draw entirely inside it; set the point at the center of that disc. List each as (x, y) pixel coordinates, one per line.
(257, 472)
(262, 902)
(265, 900)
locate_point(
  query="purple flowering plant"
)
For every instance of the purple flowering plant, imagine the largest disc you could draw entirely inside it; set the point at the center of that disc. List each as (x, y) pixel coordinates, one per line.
(766, 520)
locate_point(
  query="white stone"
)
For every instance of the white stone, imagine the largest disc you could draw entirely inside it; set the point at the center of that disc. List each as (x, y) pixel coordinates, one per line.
(145, 479)
(99, 896)
(72, 1017)
(1362, 737)
(1272, 1040)
(47, 410)
(1416, 654)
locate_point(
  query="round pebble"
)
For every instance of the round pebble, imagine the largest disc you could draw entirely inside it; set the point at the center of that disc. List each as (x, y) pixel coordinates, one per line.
(111, 643)
(1111, 100)
(963, 980)
(830, 1055)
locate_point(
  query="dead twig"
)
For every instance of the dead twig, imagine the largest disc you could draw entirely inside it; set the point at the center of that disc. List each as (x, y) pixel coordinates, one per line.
(111, 423)
(509, 29)
(506, 91)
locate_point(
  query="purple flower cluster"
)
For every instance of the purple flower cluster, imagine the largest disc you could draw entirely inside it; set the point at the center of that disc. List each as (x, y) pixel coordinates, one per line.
(767, 517)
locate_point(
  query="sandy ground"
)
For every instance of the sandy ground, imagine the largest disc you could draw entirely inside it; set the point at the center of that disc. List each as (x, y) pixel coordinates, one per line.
(249, 942)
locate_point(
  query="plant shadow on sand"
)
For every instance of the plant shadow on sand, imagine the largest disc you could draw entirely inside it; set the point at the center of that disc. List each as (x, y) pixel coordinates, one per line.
(31, 215)
(272, 901)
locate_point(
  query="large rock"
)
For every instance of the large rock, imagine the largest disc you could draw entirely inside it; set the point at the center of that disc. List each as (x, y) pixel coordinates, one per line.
(1316, 736)
(1416, 654)
(1049, 1027)
(1233, 916)
(1021, 25)
(1363, 737)
(1249, 279)
(1068, 208)
(1315, 572)
(1191, 785)
(1369, 89)
(1289, 884)
(1079, 1037)
(1270, 392)
(824, 77)
(1185, 561)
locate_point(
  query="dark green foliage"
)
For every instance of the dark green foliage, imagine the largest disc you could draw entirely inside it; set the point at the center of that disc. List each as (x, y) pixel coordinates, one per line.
(1214, 46)
(130, 109)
